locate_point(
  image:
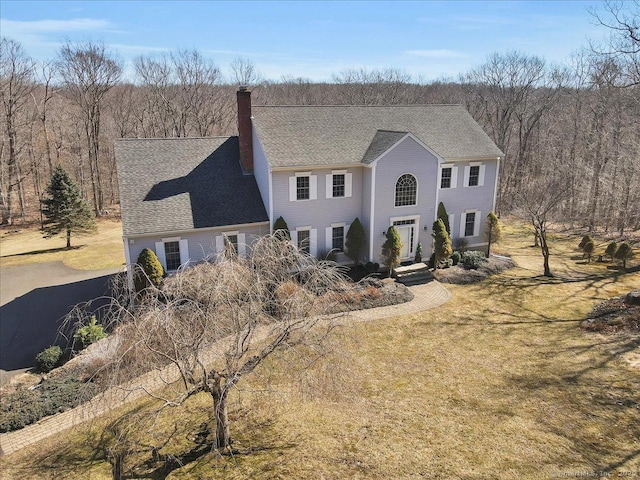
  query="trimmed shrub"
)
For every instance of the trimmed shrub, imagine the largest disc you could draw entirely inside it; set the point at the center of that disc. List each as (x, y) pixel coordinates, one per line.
(624, 252)
(455, 258)
(355, 241)
(588, 249)
(372, 267)
(472, 259)
(432, 261)
(586, 239)
(281, 229)
(418, 258)
(148, 270)
(48, 359)
(89, 334)
(611, 250)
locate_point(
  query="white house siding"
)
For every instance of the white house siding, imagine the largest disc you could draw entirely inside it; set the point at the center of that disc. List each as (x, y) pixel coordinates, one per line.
(200, 243)
(321, 212)
(407, 157)
(461, 199)
(261, 172)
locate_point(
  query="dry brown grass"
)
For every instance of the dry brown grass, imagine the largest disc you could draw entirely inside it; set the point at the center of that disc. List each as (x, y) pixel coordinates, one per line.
(498, 383)
(20, 246)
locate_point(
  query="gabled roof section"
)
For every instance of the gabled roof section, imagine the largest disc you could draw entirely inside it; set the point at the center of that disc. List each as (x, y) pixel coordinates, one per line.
(178, 184)
(348, 135)
(382, 141)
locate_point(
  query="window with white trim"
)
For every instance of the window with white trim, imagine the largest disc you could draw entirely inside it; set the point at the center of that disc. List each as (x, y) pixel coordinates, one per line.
(304, 241)
(231, 242)
(445, 179)
(303, 186)
(469, 224)
(474, 174)
(406, 190)
(448, 176)
(339, 184)
(337, 238)
(172, 255)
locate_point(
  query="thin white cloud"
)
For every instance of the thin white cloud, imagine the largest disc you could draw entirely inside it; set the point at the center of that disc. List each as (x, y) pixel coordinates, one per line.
(43, 27)
(442, 53)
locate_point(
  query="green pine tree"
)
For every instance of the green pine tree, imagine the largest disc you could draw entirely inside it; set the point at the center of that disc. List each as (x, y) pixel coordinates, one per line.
(64, 208)
(444, 216)
(442, 242)
(281, 229)
(391, 249)
(355, 242)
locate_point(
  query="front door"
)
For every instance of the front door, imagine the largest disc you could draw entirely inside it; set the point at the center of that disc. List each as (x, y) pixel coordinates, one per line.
(406, 230)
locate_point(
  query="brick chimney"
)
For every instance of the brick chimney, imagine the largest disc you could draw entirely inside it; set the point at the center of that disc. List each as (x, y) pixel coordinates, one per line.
(244, 129)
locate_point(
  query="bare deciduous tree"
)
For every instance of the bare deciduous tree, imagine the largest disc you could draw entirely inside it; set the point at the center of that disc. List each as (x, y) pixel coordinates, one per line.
(88, 71)
(212, 324)
(244, 72)
(16, 85)
(537, 204)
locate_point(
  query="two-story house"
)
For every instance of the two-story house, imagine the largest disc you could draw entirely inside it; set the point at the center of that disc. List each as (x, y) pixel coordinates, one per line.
(319, 167)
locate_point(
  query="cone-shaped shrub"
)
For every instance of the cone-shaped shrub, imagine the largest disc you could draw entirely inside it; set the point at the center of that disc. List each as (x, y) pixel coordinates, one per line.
(149, 270)
(281, 229)
(355, 241)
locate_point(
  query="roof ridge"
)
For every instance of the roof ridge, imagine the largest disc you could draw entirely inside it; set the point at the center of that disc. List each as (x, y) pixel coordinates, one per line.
(359, 106)
(175, 138)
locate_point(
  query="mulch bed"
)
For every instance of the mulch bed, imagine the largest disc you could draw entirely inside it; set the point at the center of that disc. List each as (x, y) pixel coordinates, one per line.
(459, 275)
(612, 316)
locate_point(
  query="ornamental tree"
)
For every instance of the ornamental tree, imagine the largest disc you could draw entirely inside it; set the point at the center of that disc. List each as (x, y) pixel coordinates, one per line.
(494, 231)
(442, 242)
(355, 242)
(611, 250)
(64, 208)
(444, 216)
(624, 253)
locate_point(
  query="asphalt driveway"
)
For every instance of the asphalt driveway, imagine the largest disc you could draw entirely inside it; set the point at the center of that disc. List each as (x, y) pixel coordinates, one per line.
(33, 301)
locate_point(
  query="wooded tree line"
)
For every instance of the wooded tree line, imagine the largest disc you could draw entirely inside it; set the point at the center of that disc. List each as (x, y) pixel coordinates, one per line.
(577, 124)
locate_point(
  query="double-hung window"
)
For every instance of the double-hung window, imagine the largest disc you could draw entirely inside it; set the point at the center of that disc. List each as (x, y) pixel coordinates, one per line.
(339, 184)
(303, 186)
(469, 224)
(474, 175)
(445, 180)
(172, 253)
(337, 238)
(304, 241)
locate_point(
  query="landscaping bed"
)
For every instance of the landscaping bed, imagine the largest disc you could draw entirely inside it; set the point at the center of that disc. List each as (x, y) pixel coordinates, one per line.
(614, 315)
(460, 275)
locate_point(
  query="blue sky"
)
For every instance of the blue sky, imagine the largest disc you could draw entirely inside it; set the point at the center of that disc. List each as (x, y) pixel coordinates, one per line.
(427, 39)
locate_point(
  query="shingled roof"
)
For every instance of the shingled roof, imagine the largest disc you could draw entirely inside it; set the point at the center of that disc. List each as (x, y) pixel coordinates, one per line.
(178, 184)
(350, 135)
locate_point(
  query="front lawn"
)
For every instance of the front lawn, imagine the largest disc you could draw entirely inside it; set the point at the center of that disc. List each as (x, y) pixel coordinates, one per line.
(500, 382)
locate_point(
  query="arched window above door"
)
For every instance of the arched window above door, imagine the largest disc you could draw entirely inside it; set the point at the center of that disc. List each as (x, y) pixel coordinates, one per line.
(406, 190)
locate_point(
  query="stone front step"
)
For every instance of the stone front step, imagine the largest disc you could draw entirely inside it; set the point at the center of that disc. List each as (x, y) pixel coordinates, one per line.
(413, 274)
